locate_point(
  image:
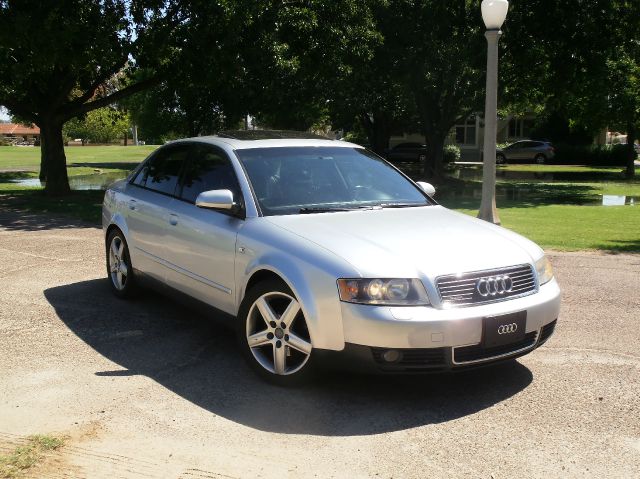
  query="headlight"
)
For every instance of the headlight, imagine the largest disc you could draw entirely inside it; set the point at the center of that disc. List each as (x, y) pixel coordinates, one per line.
(392, 292)
(544, 270)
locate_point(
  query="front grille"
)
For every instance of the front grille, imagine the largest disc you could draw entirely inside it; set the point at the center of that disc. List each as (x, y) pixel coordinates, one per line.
(477, 352)
(459, 290)
(412, 359)
(547, 331)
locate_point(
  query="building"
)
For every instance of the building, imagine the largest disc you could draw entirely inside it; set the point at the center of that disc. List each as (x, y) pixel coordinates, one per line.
(469, 135)
(13, 133)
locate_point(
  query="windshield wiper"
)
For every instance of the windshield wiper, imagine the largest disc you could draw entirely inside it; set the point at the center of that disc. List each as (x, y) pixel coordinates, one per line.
(401, 205)
(331, 209)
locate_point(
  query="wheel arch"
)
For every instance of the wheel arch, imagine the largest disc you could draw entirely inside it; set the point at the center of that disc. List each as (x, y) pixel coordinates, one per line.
(117, 222)
(326, 333)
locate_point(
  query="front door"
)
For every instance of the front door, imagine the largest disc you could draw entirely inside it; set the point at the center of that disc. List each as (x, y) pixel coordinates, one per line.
(201, 243)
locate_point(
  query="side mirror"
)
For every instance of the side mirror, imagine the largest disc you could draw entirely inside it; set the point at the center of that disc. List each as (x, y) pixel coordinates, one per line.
(215, 200)
(427, 188)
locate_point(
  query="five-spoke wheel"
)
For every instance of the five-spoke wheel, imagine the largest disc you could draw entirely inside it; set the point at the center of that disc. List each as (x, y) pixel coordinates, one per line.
(119, 266)
(275, 333)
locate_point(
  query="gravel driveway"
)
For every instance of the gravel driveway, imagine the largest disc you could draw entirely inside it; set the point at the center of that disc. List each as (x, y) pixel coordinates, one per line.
(152, 389)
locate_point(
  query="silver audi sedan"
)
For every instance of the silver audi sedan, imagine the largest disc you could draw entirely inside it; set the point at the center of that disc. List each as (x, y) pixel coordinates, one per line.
(321, 252)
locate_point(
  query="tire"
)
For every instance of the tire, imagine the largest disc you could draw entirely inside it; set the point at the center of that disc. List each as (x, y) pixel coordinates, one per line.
(501, 159)
(119, 269)
(279, 349)
(540, 159)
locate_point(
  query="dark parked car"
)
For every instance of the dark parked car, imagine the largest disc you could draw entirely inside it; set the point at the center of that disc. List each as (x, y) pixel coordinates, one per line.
(407, 152)
(526, 151)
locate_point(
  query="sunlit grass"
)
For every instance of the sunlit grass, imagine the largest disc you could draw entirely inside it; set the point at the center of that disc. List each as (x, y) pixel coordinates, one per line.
(28, 158)
(572, 228)
(17, 463)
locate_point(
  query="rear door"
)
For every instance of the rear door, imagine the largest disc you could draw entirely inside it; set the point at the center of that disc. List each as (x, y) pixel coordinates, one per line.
(201, 243)
(152, 192)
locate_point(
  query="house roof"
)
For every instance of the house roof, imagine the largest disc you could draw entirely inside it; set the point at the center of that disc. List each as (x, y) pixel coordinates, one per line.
(15, 129)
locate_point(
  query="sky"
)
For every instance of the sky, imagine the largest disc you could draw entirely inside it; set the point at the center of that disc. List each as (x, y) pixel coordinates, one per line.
(4, 116)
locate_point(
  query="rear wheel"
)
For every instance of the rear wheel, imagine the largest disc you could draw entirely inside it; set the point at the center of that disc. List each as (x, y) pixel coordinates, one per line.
(540, 159)
(273, 334)
(119, 267)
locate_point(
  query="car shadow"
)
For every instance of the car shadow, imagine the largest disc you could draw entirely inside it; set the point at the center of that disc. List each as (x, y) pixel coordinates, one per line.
(197, 358)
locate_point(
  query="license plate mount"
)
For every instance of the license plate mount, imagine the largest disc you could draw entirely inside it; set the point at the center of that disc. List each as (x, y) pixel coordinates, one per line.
(503, 329)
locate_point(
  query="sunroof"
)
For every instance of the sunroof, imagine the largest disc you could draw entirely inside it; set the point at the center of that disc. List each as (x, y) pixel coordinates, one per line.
(270, 135)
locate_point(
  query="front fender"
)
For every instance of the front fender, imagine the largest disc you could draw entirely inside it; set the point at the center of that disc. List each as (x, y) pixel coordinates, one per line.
(315, 289)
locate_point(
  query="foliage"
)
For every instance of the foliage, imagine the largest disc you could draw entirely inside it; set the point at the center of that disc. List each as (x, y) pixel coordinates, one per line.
(586, 69)
(607, 155)
(99, 126)
(451, 154)
(425, 73)
(62, 59)
(22, 458)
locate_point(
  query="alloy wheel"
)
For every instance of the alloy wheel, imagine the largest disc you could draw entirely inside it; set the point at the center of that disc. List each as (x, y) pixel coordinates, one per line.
(277, 334)
(118, 269)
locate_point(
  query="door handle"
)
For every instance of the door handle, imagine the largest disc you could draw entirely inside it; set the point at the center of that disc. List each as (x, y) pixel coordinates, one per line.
(132, 204)
(173, 219)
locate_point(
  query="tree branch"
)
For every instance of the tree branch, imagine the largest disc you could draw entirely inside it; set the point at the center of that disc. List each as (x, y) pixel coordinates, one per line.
(19, 110)
(104, 76)
(114, 97)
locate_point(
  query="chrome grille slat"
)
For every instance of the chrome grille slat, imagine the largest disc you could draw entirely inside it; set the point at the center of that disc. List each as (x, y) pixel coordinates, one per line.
(458, 290)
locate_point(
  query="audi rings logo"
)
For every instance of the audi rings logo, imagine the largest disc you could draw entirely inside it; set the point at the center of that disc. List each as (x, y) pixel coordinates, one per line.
(494, 285)
(507, 328)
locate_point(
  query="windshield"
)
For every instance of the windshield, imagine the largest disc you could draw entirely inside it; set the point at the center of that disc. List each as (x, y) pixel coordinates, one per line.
(292, 180)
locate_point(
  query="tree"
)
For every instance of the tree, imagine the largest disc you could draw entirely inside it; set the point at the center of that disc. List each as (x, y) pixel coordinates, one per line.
(99, 126)
(295, 55)
(62, 59)
(427, 70)
(586, 69)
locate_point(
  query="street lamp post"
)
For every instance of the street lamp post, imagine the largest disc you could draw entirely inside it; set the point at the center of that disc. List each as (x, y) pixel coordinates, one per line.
(494, 13)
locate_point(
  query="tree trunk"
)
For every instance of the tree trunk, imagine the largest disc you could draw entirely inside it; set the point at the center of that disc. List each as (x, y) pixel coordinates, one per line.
(53, 162)
(378, 131)
(432, 169)
(631, 152)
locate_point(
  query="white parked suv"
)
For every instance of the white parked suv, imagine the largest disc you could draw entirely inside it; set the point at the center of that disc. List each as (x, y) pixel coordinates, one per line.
(323, 252)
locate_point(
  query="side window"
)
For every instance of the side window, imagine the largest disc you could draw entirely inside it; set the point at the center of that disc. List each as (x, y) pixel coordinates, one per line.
(163, 170)
(208, 169)
(141, 176)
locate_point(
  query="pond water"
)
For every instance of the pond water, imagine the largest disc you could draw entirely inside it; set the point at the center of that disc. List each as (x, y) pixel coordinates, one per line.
(540, 196)
(80, 182)
(543, 194)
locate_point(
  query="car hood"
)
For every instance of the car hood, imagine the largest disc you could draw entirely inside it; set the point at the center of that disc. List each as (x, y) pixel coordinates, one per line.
(411, 242)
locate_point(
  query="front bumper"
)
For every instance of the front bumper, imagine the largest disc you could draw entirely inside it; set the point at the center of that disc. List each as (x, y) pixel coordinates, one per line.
(366, 359)
(431, 338)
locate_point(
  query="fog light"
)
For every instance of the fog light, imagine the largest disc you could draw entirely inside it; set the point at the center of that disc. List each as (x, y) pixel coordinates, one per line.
(391, 355)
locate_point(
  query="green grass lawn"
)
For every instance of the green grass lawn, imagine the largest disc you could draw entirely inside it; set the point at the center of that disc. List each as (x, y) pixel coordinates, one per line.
(28, 158)
(560, 214)
(572, 228)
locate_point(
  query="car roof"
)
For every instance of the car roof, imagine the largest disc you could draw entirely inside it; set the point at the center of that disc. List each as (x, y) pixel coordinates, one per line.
(241, 139)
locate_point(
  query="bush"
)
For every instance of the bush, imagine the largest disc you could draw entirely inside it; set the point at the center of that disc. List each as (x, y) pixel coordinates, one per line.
(607, 155)
(451, 154)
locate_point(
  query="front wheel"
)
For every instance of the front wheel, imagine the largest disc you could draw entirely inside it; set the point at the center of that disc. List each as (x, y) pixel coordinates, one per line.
(273, 334)
(500, 159)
